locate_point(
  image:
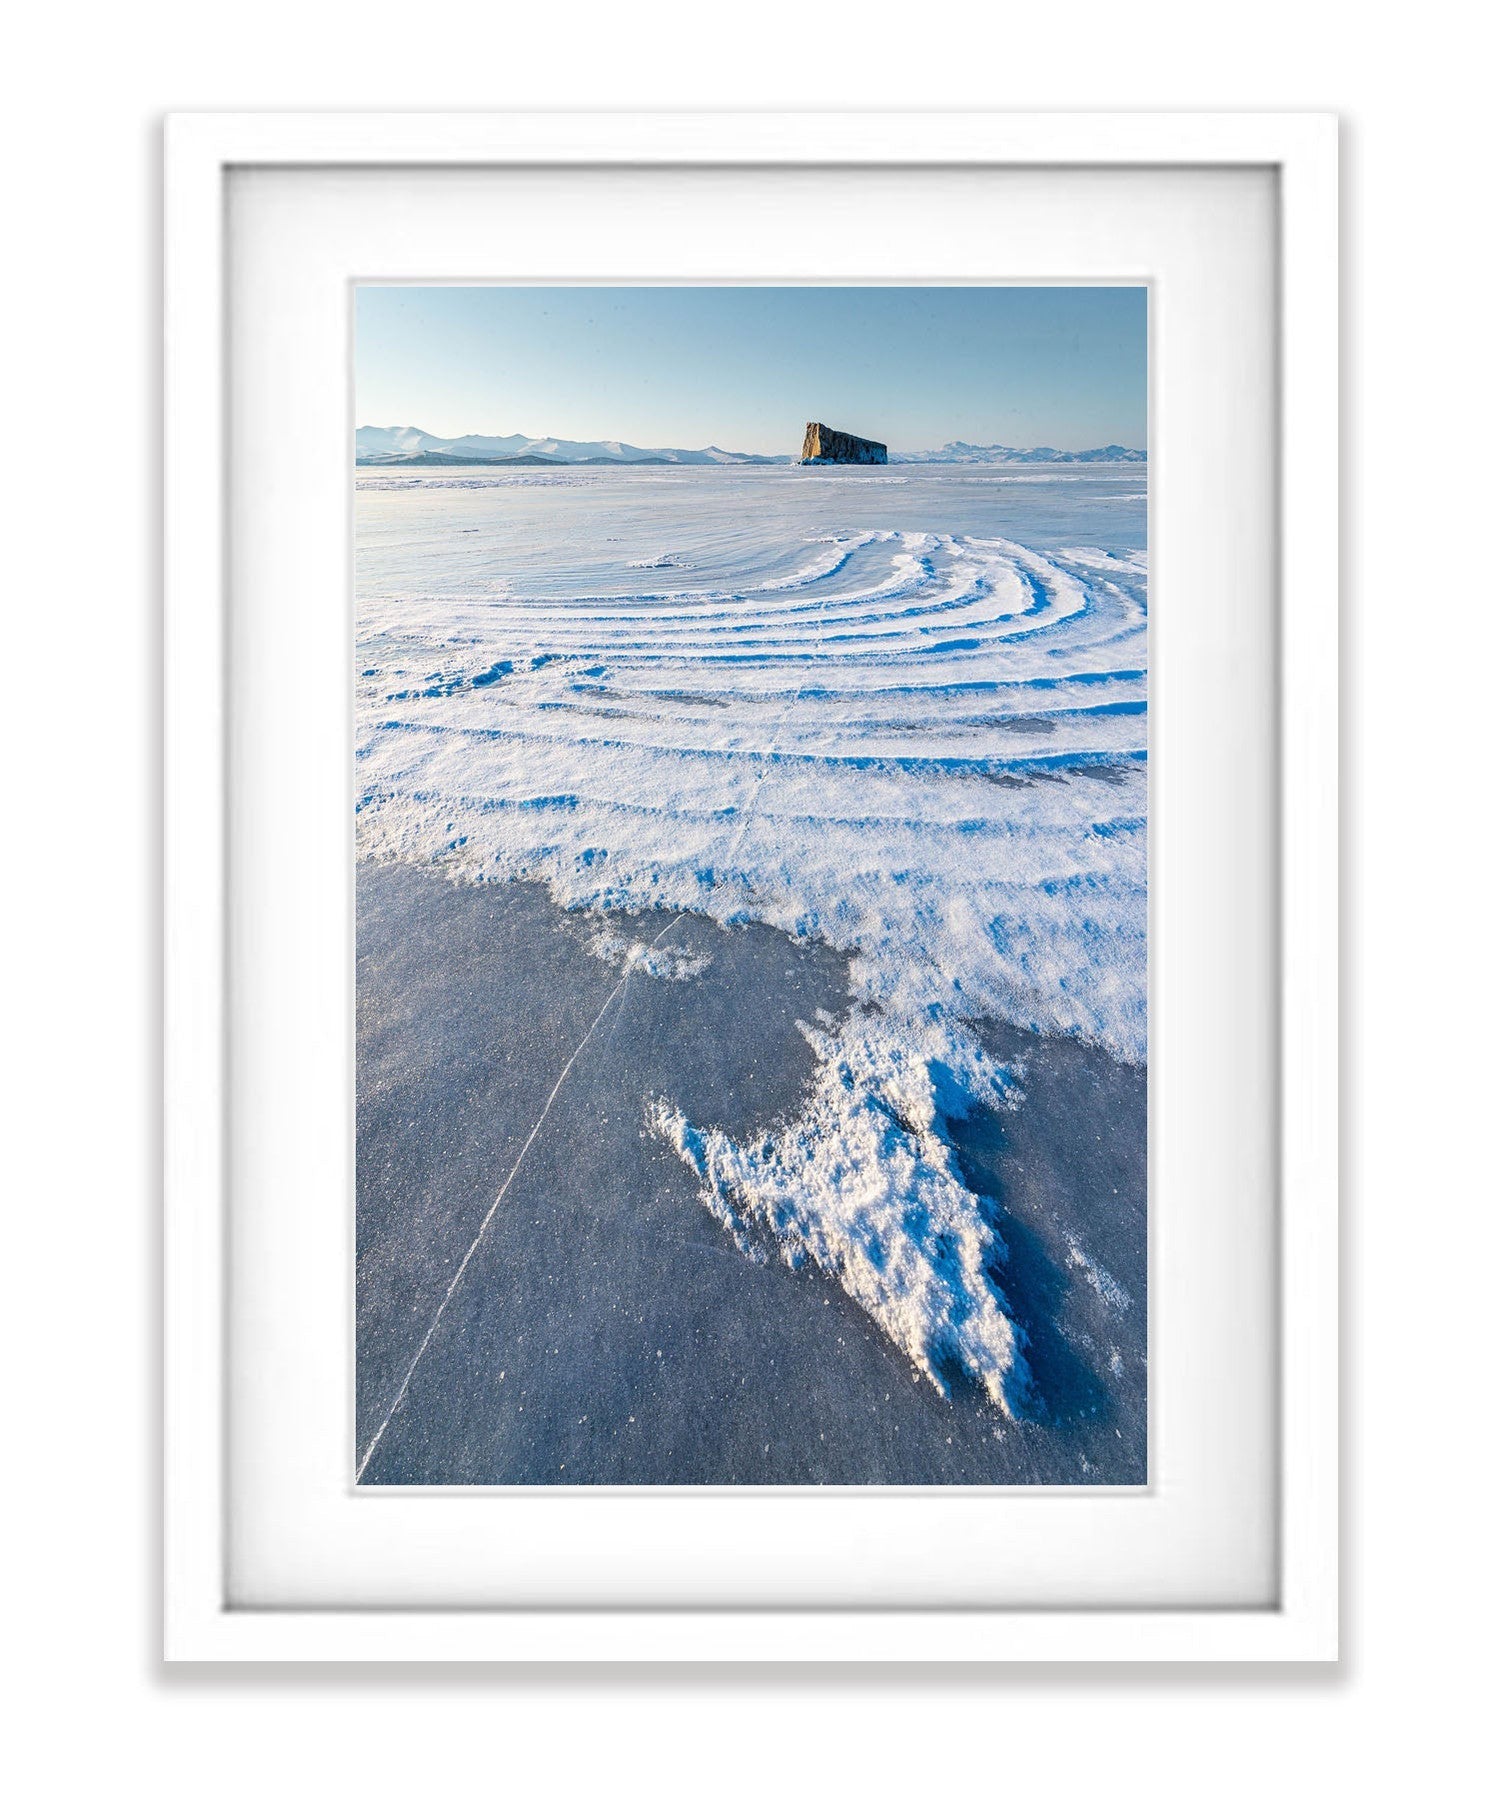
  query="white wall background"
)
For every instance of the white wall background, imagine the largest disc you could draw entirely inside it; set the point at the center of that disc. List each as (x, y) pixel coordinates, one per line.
(83, 91)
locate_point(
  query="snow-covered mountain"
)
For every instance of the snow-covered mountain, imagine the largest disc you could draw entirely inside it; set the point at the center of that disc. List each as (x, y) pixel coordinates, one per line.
(394, 440)
(966, 452)
(404, 442)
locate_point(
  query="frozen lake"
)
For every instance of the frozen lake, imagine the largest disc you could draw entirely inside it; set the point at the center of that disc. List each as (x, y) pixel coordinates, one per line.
(896, 713)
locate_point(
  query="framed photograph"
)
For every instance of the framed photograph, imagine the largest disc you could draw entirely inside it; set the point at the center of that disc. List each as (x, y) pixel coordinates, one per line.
(762, 830)
(751, 887)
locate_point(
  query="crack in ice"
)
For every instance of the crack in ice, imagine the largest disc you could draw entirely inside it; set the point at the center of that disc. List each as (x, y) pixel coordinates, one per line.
(395, 1404)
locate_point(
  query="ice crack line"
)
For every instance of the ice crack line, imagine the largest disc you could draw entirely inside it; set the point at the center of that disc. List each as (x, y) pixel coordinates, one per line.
(582, 1044)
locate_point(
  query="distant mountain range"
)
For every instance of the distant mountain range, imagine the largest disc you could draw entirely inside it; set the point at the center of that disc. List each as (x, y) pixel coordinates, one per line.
(966, 452)
(405, 446)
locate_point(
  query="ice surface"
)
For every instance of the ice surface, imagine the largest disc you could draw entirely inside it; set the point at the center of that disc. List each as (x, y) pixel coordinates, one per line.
(904, 715)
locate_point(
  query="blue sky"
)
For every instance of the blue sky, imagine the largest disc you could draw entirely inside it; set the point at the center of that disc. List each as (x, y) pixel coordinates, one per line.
(746, 367)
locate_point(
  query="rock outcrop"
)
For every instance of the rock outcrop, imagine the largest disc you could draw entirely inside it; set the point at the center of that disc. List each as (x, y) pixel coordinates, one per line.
(823, 444)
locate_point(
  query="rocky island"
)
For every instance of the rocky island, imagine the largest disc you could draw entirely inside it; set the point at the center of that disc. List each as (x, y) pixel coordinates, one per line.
(823, 444)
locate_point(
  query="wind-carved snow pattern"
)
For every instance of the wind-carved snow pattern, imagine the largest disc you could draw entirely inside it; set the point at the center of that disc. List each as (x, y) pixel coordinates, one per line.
(925, 748)
(862, 1181)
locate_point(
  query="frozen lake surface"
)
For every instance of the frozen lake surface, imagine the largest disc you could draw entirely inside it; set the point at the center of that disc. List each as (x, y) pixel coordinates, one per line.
(897, 714)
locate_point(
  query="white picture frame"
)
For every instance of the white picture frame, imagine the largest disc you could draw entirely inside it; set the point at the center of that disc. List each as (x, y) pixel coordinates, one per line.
(201, 1623)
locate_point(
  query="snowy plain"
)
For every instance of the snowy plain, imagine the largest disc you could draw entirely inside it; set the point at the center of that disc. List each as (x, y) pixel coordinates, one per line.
(900, 712)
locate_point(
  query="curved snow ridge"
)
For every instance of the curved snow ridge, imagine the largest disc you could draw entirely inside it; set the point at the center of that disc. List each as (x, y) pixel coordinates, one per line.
(926, 749)
(864, 753)
(862, 1183)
